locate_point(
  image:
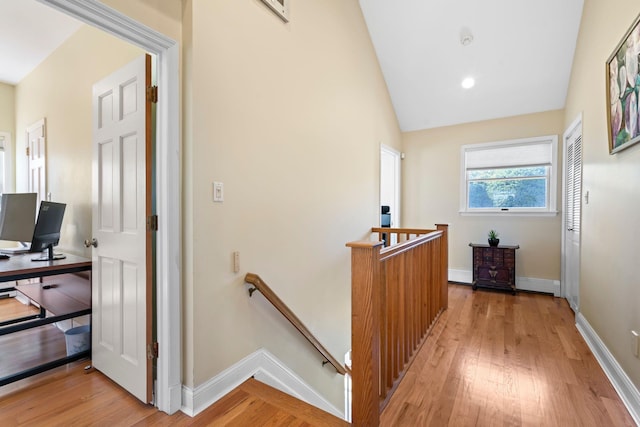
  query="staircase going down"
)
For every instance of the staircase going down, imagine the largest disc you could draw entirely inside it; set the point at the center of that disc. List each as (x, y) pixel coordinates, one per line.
(253, 403)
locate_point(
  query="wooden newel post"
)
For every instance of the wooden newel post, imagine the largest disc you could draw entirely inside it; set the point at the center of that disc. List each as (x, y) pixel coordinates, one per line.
(444, 264)
(365, 332)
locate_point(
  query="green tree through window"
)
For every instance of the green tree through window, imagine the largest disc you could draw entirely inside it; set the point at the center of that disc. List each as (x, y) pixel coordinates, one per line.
(524, 187)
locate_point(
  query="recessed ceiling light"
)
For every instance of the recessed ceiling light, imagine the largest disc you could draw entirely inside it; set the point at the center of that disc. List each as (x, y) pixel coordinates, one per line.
(468, 83)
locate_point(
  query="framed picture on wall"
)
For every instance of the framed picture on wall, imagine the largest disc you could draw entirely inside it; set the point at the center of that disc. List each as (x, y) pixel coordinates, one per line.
(623, 87)
(280, 7)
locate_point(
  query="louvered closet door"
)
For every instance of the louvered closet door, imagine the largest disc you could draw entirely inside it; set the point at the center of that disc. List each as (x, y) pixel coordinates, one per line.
(573, 204)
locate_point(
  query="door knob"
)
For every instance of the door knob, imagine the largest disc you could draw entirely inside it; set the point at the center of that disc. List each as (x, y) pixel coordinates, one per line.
(93, 242)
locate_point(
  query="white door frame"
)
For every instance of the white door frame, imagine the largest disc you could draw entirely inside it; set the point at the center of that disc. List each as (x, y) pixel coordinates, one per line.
(168, 248)
(577, 122)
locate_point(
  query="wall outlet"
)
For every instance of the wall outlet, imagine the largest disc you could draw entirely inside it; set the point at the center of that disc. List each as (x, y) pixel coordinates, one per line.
(236, 262)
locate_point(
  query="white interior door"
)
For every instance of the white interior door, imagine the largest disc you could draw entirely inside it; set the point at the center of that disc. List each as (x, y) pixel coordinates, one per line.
(121, 298)
(390, 182)
(36, 159)
(573, 204)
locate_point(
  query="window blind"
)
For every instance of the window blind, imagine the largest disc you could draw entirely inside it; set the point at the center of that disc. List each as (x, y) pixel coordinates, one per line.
(531, 154)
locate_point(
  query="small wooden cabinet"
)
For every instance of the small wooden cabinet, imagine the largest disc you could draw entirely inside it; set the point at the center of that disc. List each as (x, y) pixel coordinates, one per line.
(494, 267)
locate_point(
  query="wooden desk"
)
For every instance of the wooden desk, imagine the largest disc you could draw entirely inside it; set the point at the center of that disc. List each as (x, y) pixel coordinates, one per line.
(59, 293)
(22, 267)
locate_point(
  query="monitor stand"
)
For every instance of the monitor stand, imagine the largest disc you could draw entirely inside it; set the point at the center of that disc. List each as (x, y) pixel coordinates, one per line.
(49, 255)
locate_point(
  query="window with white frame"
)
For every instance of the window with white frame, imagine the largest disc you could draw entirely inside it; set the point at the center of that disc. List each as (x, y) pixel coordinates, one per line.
(516, 176)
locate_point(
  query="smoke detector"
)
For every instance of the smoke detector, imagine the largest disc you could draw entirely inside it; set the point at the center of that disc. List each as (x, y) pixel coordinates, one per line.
(466, 38)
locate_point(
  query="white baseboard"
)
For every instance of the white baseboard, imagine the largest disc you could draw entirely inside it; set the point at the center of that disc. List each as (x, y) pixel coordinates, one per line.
(538, 285)
(621, 382)
(460, 276)
(265, 367)
(522, 283)
(24, 300)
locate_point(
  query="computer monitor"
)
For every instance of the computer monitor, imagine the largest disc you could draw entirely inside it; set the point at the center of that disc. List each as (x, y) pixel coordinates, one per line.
(47, 230)
(17, 217)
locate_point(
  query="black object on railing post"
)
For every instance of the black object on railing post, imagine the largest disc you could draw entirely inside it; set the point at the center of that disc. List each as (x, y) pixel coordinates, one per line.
(385, 222)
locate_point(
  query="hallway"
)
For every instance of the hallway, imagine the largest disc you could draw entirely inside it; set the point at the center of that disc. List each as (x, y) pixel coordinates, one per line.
(492, 359)
(498, 359)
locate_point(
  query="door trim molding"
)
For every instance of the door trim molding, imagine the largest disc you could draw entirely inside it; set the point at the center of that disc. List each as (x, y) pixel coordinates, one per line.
(168, 249)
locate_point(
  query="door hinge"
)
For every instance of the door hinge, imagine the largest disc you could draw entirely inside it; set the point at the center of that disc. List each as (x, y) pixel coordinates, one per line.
(27, 151)
(152, 223)
(152, 94)
(152, 351)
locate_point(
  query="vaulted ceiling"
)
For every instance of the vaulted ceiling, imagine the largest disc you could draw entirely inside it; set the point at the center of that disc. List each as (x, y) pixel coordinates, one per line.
(520, 53)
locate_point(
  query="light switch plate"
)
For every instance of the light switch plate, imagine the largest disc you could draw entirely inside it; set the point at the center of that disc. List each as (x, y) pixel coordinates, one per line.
(218, 191)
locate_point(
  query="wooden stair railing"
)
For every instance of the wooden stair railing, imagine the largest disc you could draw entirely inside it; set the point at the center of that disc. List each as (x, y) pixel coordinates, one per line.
(397, 294)
(267, 292)
(402, 234)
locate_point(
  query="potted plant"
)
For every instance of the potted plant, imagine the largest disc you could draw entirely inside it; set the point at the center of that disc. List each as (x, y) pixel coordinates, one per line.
(493, 238)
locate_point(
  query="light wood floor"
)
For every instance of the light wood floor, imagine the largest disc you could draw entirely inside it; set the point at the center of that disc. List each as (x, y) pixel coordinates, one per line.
(11, 308)
(492, 360)
(500, 360)
(72, 397)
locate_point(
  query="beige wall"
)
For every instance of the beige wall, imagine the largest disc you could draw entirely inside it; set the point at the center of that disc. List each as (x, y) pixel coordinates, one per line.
(431, 193)
(290, 176)
(289, 117)
(187, 229)
(7, 106)
(164, 16)
(609, 291)
(60, 91)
